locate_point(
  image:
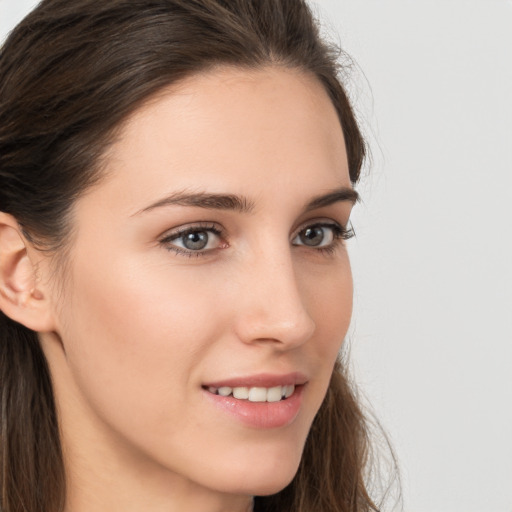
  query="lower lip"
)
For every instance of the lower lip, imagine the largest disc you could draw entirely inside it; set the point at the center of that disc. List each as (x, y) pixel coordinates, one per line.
(263, 415)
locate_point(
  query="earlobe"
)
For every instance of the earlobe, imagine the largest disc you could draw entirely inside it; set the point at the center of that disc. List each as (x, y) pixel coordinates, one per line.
(21, 296)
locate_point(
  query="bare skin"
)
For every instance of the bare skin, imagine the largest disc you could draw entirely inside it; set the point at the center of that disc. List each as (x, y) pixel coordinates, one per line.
(147, 317)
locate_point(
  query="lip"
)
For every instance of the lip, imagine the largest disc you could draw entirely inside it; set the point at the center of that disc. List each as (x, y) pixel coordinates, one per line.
(264, 380)
(259, 415)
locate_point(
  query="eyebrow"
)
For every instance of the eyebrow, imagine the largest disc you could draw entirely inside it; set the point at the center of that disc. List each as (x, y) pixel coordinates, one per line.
(242, 204)
(341, 194)
(204, 200)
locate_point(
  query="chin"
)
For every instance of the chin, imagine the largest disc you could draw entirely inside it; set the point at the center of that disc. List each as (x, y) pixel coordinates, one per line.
(264, 485)
(262, 476)
(273, 486)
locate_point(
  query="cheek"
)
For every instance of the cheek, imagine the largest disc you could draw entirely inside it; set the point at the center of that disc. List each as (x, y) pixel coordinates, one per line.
(139, 306)
(330, 298)
(136, 337)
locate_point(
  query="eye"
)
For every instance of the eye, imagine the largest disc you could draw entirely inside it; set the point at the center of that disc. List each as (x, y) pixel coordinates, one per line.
(315, 236)
(194, 240)
(321, 235)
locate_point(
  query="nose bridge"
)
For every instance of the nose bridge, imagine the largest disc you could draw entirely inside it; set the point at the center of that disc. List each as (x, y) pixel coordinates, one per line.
(275, 308)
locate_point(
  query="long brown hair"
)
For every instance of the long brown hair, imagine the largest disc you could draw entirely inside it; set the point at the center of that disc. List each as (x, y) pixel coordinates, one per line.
(70, 73)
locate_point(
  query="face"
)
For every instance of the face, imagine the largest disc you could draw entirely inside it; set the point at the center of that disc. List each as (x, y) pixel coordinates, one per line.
(209, 262)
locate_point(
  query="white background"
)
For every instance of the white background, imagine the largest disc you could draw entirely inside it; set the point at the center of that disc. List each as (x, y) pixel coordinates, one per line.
(431, 341)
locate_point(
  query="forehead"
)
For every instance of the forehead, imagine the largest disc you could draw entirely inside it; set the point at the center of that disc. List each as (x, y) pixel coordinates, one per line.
(231, 128)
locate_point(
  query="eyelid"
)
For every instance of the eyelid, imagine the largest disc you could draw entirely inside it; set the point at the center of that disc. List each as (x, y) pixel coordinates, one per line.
(169, 234)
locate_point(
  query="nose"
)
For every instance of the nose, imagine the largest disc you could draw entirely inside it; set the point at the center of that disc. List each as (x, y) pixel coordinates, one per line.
(272, 307)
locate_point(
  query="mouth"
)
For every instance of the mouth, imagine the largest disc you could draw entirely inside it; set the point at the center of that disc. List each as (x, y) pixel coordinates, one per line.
(263, 401)
(254, 394)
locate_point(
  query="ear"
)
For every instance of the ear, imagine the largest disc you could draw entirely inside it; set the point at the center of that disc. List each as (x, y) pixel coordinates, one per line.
(22, 297)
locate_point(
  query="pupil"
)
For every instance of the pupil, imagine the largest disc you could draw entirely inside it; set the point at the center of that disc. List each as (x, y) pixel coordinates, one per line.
(195, 241)
(312, 236)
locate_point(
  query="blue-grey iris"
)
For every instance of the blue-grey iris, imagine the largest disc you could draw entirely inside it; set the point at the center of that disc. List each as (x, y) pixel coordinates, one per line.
(312, 236)
(195, 241)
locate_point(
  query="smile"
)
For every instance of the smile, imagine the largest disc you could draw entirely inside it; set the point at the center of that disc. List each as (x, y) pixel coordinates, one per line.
(261, 401)
(255, 394)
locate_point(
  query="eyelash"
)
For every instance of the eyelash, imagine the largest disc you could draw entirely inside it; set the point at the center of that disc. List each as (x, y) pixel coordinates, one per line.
(340, 233)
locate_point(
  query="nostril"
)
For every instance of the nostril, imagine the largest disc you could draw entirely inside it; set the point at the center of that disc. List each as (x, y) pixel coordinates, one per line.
(273, 328)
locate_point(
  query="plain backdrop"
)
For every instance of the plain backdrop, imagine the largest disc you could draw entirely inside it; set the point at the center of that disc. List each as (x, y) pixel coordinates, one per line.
(431, 339)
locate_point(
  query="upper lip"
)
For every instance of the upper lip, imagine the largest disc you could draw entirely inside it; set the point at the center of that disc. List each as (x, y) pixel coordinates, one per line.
(264, 380)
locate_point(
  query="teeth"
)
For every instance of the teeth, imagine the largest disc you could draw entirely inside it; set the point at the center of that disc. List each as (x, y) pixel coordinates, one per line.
(255, 394)
(275, 394)
(241, 393)
(225, 391)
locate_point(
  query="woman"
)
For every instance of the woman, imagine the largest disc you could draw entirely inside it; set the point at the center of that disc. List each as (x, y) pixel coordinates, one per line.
(176, 180)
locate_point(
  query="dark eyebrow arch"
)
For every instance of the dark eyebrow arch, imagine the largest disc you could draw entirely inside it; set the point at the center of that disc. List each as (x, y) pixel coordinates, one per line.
(204, 200)
(341, 194)
(241, 204)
